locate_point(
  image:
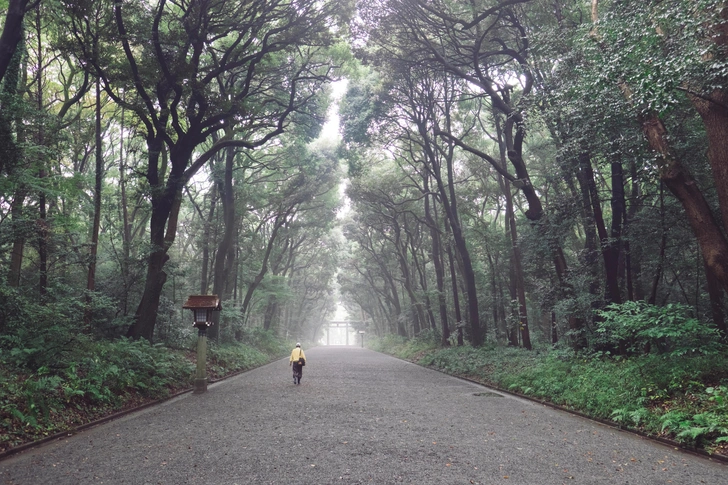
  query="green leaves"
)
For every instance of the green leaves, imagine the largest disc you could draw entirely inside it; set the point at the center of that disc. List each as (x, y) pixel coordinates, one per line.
(710, 424)
(641, 327)
(655, 49)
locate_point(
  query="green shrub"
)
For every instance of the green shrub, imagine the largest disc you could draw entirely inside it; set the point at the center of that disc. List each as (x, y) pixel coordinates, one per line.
(639, 327)
(92, 375)
(228, 358)
(265, 341)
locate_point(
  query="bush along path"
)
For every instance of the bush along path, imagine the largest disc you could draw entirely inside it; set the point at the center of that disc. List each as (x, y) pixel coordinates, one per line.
(96, 380)
(679, 399)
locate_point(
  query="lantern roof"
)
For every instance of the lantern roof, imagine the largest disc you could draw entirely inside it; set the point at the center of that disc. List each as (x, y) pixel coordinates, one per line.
(203, 301)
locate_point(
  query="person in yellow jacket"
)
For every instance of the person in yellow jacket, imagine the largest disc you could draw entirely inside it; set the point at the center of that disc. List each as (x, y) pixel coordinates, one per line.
(297, 361)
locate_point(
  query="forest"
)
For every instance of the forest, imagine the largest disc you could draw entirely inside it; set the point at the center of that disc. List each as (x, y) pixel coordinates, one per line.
(536, 182)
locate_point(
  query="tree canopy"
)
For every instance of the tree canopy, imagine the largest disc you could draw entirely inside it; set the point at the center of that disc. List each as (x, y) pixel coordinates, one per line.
(504, 170)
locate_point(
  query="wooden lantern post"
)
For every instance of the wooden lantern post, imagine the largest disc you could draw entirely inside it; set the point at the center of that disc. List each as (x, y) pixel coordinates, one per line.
(202, 307)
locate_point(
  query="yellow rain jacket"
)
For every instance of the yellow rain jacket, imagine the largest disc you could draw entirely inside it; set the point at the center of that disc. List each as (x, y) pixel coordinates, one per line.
(296, 354)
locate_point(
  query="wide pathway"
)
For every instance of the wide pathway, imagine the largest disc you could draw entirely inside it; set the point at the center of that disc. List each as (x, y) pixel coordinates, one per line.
(357, 417)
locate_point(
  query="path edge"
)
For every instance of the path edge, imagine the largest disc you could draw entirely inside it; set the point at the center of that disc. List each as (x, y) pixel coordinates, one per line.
(120, 414)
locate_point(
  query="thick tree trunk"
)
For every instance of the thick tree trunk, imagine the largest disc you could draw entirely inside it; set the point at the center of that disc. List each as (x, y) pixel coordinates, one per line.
(12, 34)
(146, 313)
(713, 110)
(678, 180)
(10, 139)
(162, 231)
(716, 302)
(714, 113)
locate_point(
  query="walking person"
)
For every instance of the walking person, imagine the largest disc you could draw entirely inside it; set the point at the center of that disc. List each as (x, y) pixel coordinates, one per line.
(297, 361)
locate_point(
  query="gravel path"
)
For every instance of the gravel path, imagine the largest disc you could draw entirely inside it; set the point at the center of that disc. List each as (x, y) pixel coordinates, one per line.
(357, 417)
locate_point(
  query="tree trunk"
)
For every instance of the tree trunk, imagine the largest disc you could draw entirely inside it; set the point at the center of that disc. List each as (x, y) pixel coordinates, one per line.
(518, 271)
(204, 271)
(618, 206)
(610, 264)
(422, 273)
(393, 300)
(146, 313)
(162, 231)
(16, 257)
(12, 34)
(98, 172)
(401, 252)
(449, 203)
(9, 156)
(455, 295)
(678, 180)
(713, 110)
(271, 312)
(516, 259)
(632, 266)
(437, 261)
(716, 302)
(663, 245)
(225, 259)
(43, 229)
(590, 254)
(126, 232)
(280, 220)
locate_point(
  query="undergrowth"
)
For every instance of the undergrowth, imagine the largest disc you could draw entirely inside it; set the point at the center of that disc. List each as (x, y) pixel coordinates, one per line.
(255, 348)
(95, 378)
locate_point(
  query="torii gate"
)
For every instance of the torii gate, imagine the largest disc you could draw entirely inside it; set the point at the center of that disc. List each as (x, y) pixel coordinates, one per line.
(345, 324)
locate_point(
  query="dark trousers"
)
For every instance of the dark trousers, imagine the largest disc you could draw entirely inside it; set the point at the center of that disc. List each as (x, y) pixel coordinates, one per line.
(297, 370)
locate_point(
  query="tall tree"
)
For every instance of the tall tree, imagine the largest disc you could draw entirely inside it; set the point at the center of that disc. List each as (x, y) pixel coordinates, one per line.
(648, 99)
(210, 65)
(12, 34)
